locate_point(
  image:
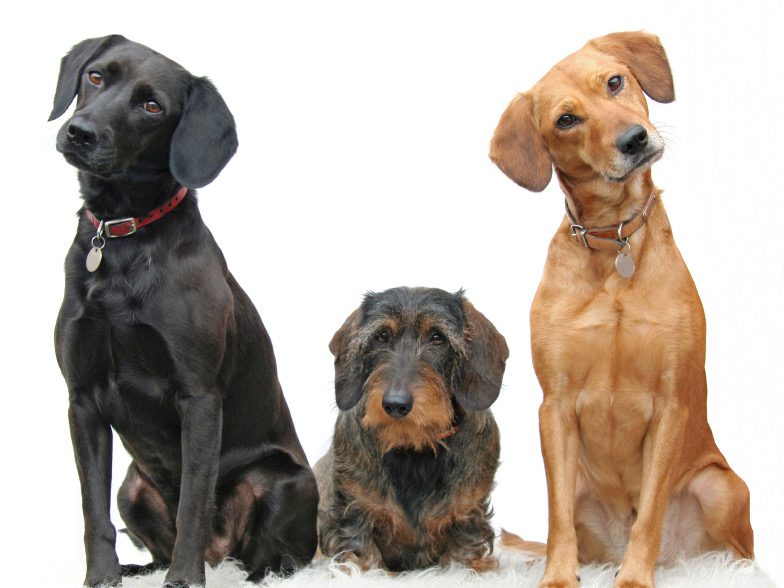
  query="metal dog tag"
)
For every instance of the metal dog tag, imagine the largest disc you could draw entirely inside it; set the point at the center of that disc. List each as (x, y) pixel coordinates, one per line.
(624, 263)
(93, 259)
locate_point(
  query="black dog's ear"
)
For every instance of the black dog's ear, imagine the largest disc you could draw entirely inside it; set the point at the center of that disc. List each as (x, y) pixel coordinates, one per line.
(348, 377)
(72, 67)
(205, 138)
(485, 362)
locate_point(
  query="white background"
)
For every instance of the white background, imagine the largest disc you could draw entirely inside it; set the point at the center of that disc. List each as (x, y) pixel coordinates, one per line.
(363, 165)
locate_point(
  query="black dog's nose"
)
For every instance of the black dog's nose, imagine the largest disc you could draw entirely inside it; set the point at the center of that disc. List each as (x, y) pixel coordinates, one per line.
(81, 134)
(397, 404)
(632, 140)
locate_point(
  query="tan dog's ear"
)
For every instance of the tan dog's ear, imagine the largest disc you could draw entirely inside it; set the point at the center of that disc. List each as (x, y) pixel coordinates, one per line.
(518, 149)
(348, 381)
(645, 57)
(480, 383)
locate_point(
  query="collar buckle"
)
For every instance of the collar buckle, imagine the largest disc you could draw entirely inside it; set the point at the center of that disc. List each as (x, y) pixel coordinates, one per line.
(579, 232)
(130, 227)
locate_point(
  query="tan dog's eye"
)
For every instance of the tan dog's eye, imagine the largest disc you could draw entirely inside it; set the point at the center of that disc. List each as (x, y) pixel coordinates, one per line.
(614, 84)
(566, 121)
(437, 338)
(152, 107)
(95, 78)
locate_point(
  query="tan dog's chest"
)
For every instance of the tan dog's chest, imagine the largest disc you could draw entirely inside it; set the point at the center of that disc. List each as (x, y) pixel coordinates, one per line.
(609, 354)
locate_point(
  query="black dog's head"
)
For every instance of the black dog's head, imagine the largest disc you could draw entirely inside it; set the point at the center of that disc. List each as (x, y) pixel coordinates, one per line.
(138, 111)
(416, 354)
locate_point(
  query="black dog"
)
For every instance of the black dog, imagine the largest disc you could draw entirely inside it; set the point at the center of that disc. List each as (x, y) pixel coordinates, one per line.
(407, 480)
(156, 340)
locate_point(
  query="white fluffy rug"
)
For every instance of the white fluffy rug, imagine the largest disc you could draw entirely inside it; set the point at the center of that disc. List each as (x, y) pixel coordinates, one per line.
(712, 571)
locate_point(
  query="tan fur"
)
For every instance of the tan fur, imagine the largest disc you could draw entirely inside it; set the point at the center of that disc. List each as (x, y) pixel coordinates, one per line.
(429, 420)
(633, 473)
(384, 511)
(511, 541)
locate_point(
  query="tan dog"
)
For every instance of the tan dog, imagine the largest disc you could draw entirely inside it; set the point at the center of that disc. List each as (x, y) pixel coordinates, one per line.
(633, 473)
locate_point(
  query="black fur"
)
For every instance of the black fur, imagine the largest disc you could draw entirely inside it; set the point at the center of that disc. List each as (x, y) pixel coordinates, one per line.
(161, 343)
(415, 476)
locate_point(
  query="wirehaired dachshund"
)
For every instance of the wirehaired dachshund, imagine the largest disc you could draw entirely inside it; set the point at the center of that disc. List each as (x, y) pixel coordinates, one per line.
(634, 475)
(407, 480)
(156, 340)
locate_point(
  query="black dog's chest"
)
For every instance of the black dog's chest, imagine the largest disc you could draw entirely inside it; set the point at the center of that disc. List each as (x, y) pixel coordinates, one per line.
(127, 280)
(115, 350)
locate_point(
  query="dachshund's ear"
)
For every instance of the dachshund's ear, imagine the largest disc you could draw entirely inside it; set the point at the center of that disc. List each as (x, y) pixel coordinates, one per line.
(518, 149)
(485, 361)
(644, 55)
(205, 138)
(72, 68)
(348, 371)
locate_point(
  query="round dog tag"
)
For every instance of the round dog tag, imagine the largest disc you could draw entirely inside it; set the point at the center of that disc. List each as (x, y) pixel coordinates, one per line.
(93, 259)
(624, 264)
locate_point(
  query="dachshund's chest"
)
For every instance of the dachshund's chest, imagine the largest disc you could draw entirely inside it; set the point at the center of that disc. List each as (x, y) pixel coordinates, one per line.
(416, 480)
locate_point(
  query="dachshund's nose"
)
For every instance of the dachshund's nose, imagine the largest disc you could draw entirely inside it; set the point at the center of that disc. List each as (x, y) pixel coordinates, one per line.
(397, 404)
(632, 140)
(81, 134)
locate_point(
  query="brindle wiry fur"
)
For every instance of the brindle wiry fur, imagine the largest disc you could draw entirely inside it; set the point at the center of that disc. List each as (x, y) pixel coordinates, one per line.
(412, 492)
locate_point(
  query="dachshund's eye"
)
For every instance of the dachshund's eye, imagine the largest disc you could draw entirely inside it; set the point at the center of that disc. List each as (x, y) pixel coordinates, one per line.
(567, 121)
(383, 336)
(152, 107)
(437, 338)
(614, 84)
(95, 78)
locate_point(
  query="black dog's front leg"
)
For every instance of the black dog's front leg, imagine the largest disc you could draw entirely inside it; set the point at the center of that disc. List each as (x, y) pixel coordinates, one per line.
(92, 444)
(201, 421)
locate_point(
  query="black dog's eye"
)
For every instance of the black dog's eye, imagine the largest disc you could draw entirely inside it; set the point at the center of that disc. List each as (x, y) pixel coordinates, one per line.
(437, 338)
(95, 78)
(566, 121)
(383, 336)
(614, 84)
(152, 106)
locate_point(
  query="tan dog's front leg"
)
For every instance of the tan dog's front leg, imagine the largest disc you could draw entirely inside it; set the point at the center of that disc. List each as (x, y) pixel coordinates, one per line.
(661, 450)
(558, 431)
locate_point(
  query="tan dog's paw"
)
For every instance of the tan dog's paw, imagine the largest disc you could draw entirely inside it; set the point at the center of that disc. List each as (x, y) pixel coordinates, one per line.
(560, 583)
(634, 575)
(629, 581)
(553, 581)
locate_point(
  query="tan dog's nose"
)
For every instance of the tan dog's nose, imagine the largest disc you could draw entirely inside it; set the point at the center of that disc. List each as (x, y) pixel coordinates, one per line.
(632, 140)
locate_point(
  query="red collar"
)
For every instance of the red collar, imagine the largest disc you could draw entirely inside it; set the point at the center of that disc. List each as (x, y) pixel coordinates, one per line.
(454, 429)
(122, 227)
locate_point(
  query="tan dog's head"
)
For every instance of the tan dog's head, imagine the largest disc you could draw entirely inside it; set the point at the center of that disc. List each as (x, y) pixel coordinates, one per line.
(587, 117)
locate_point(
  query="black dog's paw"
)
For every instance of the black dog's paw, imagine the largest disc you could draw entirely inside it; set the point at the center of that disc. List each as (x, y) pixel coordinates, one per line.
(103, 580)
(141, 570)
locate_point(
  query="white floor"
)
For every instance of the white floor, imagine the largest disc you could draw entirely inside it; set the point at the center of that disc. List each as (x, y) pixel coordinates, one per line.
(713, 571)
